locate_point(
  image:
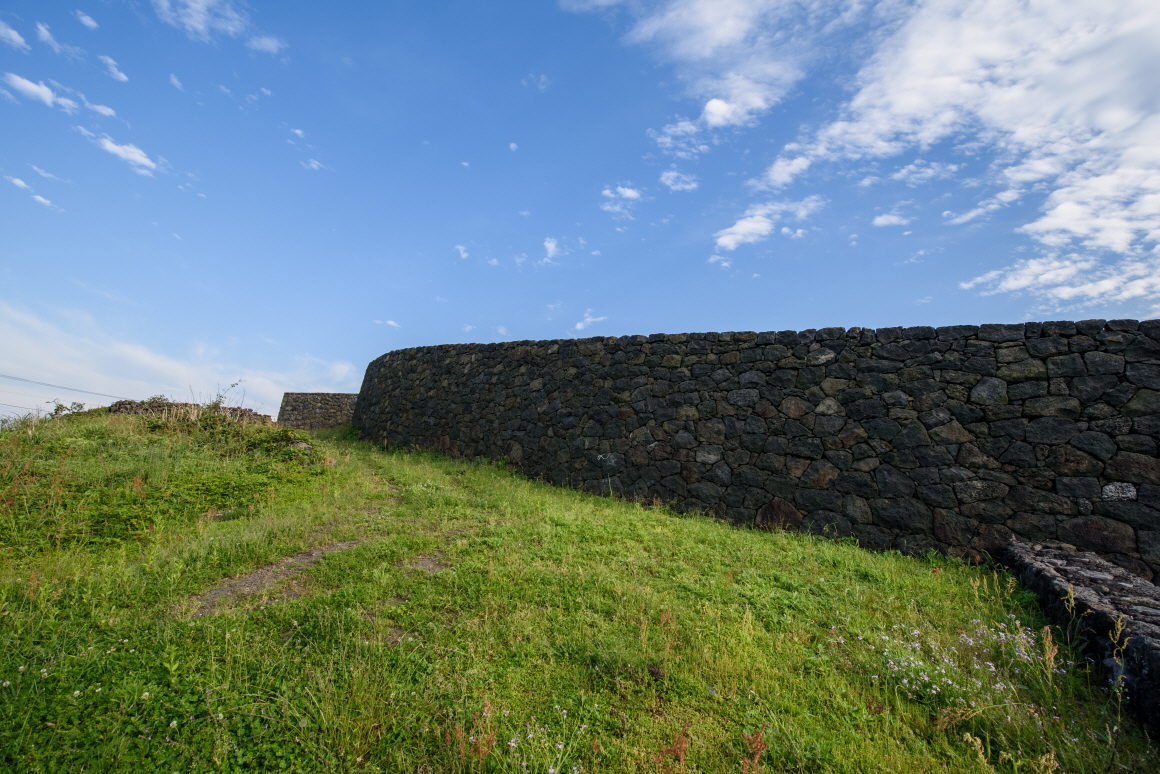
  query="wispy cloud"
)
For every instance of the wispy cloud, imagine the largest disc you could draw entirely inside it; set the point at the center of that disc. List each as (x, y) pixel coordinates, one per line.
(620, 199)
(202, 19)
(175, 82)
(12, 38)
(18, 183)
(112, 70)
(76, 351)
(462, 251)
(758, 221)
(468, 328)
(135, 157)
(45, 36)
(551, 248)
(266, 44)
(513, 147)
(299, 133)
(921, 172)
(725, 262)
(588, 320)
(39, 92)
(41, 200)
(391, 323)
(890, 220)
(541, 81)
(679, 181)
(44, 174)
(86, 20)
(313, 164)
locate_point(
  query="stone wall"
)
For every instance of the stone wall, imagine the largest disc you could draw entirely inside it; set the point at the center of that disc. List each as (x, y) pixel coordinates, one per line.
(317, 410)
(961, 439)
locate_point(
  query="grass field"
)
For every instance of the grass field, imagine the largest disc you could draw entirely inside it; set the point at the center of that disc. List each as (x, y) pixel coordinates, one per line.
(190, 593)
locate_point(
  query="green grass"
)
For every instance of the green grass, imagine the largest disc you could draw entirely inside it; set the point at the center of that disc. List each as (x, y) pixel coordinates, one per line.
(484, 622)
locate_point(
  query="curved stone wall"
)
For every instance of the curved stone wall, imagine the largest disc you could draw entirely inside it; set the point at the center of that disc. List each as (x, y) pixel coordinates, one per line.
(962, 438)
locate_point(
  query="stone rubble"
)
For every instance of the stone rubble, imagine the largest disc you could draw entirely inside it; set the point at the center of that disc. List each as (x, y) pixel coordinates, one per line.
(1094, 599)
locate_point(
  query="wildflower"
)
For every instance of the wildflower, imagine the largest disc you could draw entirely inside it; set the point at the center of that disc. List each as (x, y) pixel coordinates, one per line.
(173, 724)
(513, 743)
(145, 695)
(76, 694)
(20, 669)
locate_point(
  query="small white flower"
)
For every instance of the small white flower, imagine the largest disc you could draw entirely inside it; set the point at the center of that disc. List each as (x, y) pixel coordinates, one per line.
(145, 695)
(76, 694)
(21, 670)
(173, 724)
(6, 683)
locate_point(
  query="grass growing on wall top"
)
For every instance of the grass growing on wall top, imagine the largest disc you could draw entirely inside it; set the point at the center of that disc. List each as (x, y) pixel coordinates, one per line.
(460, 618)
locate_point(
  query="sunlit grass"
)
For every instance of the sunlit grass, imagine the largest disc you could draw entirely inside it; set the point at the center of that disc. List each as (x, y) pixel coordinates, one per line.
(488, 623)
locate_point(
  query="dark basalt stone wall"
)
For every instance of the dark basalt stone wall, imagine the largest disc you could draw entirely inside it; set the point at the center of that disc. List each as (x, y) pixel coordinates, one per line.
(316, 410)
(961, 439)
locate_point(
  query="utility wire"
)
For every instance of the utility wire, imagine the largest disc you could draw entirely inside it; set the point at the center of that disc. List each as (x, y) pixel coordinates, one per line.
(9, 405)
(57, 386)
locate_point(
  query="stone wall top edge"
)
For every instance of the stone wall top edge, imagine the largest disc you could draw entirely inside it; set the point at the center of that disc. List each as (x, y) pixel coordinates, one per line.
(994, 332)
(352, 394)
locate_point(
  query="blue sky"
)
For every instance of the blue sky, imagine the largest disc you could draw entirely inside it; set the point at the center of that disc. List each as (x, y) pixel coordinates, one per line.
(194, 192)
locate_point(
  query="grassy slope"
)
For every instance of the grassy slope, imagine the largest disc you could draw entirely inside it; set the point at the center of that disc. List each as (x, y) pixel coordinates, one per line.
(489, 623)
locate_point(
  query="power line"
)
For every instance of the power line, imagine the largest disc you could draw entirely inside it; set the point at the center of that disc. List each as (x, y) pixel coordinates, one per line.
(57, 386)
(9, 405)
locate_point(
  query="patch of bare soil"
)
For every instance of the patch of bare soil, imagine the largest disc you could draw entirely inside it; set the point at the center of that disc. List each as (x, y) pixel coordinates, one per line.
(280, 576)
(429, 562)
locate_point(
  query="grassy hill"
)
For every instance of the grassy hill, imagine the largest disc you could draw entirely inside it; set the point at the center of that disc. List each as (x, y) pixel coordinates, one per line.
(191, 592)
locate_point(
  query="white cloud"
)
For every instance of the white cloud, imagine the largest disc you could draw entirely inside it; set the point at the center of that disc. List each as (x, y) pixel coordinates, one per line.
(679, 181)
(620, 199)
(201, 19)
(1062, 96)
(301, 134)
(313, 164)
(36, 91)
(783, 171)
(267, 44)
(540, 82)
(75, 351)
(890, 220)
(42, 173)
(86, 20)
(175, 82)
(391, 323)
(104, 110)
(112, 70)
(725, 262)
(465, 164)
(41, 200)
(551, 248)
(588, 320)
(18, 183)
(134, 156)
(758, 221)
(12, 38)
(513, 147)
(468, 328)
(45, 36)
(793, 233)
(923, 172)
(502, 331)
(462, 251)
(738, 58)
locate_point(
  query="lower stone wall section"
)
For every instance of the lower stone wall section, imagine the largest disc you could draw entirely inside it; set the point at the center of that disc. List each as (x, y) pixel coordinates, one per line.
(317, 410)
(961, 439)
(1116, 613)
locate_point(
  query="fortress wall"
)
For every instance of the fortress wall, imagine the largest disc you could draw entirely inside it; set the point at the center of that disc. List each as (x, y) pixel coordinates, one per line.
(316, 410)
(961, 439)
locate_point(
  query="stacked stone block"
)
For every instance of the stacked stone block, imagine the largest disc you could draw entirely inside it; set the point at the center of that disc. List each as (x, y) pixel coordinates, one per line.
(317, 410)
(961, 438)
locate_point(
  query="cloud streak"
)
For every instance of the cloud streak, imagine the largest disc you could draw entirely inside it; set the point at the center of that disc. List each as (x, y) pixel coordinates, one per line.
(13, 39)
